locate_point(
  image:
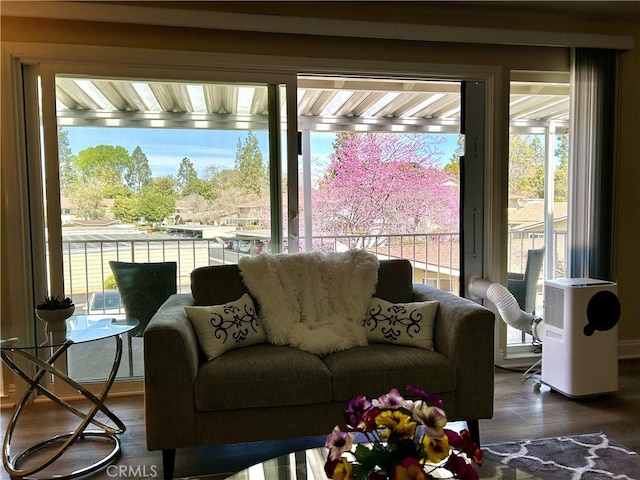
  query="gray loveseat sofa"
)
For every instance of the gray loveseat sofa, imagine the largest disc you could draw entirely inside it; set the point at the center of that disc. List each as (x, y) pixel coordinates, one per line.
(268, 392)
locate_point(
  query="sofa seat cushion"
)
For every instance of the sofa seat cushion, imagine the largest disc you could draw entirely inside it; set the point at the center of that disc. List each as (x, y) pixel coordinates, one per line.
(375, 369)
(262, 375)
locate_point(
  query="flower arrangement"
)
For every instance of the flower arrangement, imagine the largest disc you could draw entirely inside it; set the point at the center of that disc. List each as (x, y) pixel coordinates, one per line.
(406, 440)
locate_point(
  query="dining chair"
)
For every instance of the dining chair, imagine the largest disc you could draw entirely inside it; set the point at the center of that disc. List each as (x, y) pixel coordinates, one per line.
(523, 287)
(143, 287)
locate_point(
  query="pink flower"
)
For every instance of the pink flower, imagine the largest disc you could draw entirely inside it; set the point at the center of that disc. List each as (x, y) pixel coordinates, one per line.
(338, 442)
(393, 399)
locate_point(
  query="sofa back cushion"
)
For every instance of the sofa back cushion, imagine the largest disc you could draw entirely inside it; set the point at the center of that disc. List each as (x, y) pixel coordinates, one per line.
(395, 281)
(216, 285)
(220, 284)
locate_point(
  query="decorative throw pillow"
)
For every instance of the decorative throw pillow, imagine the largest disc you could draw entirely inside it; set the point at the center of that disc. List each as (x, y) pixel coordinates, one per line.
(409, 324)
(220, 328)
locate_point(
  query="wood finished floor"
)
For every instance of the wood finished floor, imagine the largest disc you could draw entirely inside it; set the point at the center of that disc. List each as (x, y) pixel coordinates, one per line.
(520, 413)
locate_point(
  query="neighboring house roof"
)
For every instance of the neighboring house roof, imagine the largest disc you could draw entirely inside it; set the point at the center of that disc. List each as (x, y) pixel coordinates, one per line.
(94, 223)
(438, 256)
(533, 213)
(68, 203)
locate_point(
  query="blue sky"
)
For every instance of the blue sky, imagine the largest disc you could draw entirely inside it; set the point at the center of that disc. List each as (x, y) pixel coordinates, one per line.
(165, 148)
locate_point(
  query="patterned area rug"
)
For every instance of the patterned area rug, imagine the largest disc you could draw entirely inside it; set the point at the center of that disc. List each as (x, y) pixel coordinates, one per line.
(583, 457)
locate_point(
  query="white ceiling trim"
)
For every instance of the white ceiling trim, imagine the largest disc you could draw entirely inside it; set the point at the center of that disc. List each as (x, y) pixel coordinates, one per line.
(101, 12)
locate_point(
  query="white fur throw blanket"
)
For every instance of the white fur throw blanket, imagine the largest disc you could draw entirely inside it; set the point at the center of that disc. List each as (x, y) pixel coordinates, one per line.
(313, 301)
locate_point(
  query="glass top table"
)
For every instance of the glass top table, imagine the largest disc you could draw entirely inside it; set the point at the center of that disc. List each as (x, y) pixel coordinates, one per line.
(79, 329)
(309, 465)
(22, 349)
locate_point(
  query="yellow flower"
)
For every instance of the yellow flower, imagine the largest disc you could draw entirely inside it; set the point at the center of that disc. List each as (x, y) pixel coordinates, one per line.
(437, 449)
(343, 471)
(397, 421)
(409, 469)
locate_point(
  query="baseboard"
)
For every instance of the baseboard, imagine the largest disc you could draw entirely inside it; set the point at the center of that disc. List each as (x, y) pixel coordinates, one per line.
(629, 348)
(519, 361)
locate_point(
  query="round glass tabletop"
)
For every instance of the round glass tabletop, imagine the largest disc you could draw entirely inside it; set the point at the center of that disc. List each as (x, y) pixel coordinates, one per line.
(79, 329)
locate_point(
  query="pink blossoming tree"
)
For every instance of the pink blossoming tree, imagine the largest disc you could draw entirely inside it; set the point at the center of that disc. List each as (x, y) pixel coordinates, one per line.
(385, 183)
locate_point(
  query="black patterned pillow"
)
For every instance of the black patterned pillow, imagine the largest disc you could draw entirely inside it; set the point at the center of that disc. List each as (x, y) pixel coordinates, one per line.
(409, 324)
(220, 328)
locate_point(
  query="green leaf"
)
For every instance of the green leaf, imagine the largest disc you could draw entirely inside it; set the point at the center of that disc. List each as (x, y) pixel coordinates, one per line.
(360, 472)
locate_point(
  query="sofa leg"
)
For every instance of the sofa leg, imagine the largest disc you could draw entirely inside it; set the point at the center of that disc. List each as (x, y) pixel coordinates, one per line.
(168, 463)
(474, 430)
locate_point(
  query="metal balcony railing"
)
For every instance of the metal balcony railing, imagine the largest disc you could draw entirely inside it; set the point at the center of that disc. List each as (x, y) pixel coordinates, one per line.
(435, 257)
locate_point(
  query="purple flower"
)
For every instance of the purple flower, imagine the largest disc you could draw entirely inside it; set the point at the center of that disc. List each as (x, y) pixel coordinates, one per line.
(356, 414)
(428, 398)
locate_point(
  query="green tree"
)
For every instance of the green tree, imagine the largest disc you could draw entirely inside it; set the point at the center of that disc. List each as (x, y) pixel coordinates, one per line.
(65, 158)
(97, 174)
(249, 164)
(103, 162)
(186, 176)
(163, 185)
(453, 166)
(201, 188)
(526, 166)
(138, 172)
(126, 209)
(561, 174)
(155, 207)
(115, 191)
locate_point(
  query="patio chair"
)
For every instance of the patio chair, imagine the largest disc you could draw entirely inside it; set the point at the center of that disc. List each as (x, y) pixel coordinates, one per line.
(523, 287)
(143, 287)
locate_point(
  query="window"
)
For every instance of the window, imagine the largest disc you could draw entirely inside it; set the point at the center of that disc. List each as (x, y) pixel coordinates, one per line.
(538, 187)
(432, 245)
(380, 165)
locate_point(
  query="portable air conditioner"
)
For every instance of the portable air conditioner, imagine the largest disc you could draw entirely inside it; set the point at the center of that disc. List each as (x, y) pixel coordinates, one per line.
(580, 344)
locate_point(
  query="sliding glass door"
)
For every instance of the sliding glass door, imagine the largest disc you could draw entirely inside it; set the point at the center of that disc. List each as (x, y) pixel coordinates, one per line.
(145, 169)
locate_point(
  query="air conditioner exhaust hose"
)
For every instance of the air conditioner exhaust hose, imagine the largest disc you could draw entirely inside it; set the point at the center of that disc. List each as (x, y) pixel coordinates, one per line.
(507, 305)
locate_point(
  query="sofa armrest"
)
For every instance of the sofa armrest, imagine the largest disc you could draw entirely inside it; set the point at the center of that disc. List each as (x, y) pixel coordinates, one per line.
(171, 358)
(464, 333)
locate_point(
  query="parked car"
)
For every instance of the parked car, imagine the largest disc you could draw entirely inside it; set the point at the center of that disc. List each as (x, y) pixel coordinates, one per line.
(107, 302)
(243, 246)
